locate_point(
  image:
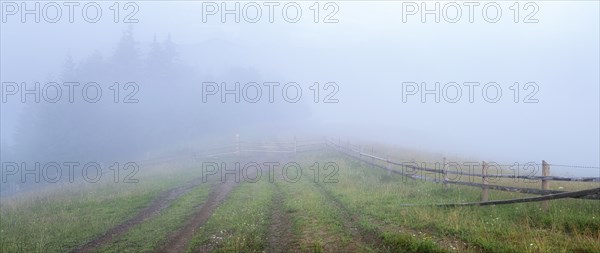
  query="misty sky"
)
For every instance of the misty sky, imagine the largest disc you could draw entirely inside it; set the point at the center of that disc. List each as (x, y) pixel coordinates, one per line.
(369, 53)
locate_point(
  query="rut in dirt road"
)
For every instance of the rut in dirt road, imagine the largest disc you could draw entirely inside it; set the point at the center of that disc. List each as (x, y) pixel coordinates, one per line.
(280, 236)
(178, 241)
(156, 206)
(350, 222)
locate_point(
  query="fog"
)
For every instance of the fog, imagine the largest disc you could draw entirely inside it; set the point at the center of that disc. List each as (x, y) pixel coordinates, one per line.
(366, 60)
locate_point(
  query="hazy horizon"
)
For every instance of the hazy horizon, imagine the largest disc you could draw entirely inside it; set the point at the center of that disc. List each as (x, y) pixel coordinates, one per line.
(369, 53)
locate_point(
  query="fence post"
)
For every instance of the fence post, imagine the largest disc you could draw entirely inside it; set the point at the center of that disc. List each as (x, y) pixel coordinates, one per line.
(295, 145)
(545, 183)
(484, 189)
(360, 151)
(372, 157)
(237, 144)
(445, 169)
(388, 165)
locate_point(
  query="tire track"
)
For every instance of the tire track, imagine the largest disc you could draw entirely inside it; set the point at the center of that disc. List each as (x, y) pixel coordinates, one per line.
(373, 236)
(161, 202)
(367, 237)
(179, 240)
(280, 237)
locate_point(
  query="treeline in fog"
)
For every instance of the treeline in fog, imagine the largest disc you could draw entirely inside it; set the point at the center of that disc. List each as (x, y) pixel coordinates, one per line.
(139, 101)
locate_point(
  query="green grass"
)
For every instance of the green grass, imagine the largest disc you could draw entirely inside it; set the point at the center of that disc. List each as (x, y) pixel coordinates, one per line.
(151, 234)
(319, 215)
(316, 221)
(241, 223)
(322, 222)
(63, 216)
(569, 225)
(58, 225)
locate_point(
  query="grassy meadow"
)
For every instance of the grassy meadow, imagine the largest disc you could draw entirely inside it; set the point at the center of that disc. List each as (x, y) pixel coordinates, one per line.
(345, 206)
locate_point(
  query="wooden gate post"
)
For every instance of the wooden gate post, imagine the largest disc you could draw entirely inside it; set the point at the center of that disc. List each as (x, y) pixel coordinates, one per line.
(545, 183)
(484, 189)
(445, 169)
(360, 155)
(388, 165)
(295, 145)
(372, 157)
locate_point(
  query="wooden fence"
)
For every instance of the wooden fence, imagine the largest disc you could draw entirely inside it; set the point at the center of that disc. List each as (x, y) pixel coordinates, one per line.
(357, 152)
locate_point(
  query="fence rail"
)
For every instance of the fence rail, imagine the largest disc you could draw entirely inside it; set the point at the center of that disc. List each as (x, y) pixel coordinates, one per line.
(576, 194)
(357, 153)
